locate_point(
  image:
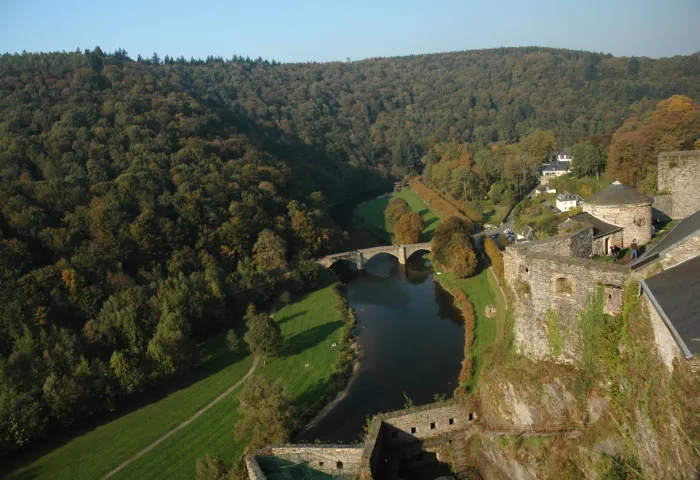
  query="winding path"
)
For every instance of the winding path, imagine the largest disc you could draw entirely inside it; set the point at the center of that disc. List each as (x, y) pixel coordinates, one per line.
(183, 424)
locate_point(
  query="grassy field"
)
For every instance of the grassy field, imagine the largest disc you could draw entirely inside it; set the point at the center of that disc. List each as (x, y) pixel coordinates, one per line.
(482, 291)
(372, 212)
(310, 324)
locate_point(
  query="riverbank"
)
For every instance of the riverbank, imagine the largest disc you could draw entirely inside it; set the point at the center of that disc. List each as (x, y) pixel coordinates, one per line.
(481, 291)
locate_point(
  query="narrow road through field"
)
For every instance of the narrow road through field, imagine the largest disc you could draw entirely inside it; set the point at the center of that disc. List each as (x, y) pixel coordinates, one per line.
(183, 424)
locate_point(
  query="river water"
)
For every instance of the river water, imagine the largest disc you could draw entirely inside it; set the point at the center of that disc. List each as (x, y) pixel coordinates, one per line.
(412, 342)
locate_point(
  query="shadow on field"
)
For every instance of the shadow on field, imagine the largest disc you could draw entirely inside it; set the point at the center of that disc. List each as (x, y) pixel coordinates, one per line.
(287, 318)
(310, 338)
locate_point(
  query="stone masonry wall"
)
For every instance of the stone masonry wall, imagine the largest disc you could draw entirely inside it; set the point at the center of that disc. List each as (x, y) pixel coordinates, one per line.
(553, 287)
(634, 219)
(578, 245)
(405, 426)
(324, 458)
(599, 243)
(666, 345)
(679, 176)
(688, 249)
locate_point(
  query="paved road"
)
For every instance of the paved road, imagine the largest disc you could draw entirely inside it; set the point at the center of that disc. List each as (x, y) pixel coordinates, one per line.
(183, 424)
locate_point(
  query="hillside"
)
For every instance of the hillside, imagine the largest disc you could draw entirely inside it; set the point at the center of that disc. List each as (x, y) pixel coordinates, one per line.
(144, 204)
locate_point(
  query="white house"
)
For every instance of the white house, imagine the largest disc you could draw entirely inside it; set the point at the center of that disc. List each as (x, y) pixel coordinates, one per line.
(566, 201)
(554, 169)
(564, 155)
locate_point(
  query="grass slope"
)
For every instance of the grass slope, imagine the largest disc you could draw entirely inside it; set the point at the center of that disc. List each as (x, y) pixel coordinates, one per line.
(482, 291)
(309, 326)
(94, 453)
(372, 212)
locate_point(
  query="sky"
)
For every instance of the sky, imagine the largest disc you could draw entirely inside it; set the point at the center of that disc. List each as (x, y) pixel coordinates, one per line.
(331, 30)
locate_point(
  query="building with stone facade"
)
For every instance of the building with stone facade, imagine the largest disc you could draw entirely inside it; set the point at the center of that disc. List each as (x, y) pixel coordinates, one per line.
(626, 208)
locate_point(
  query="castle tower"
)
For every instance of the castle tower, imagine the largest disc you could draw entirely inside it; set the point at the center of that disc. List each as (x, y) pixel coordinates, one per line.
(627, 208)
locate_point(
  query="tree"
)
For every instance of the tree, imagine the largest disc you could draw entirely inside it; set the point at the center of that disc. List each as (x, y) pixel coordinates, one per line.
(170, 347)
(232, 340)
(269, 251)
(587, 160)
(409, 227)
(264, 336)
(267, 412)
(393, 212)
(464, 260)
(209, 468)
(539, 145)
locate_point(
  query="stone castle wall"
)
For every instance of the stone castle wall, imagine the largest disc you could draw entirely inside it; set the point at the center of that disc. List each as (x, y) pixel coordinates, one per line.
(405, 426)
(666, 345)
(634, 219)
(577, 245)
(555, 288)
(679, 177)
(325, 458)
(599, 243)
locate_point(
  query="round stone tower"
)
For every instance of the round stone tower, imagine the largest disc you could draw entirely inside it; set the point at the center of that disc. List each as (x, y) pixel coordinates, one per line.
(627, 208)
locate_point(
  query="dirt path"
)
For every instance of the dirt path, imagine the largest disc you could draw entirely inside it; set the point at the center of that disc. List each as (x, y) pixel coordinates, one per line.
(183, 424)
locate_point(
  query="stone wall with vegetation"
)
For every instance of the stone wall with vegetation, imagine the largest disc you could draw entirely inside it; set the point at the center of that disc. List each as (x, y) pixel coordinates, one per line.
(635, 219)
(435, 419)
(666, 345)
(679, 177)
(330, 459)
(550, 292)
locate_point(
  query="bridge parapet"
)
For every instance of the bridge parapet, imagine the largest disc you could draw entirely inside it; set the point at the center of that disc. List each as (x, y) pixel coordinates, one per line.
(360, 257)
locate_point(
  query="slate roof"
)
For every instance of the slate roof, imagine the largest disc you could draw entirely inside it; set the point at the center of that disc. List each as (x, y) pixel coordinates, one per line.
(674, 293)
(618, 194)
(685, 229)
(557, 166)
(600, 228)
(567, 197)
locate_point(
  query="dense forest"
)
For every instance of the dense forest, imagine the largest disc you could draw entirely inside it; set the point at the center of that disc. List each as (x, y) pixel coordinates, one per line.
(144, 204)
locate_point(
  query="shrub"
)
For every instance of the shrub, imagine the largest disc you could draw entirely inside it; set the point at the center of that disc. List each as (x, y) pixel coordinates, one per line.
(496, 259)
(465, 306)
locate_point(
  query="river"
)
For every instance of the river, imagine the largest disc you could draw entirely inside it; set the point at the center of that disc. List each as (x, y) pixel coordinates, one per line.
(411, 338)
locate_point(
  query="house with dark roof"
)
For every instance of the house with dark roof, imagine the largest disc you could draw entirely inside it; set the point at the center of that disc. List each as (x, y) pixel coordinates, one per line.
(544, 189)
(672, 296)
(619, 205)
(553, 170)
(526, 234)
(567, 201)
(605, 234)
(564, 155)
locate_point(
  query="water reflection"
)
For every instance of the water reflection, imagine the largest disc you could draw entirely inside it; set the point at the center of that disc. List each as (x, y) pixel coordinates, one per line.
(412, 340)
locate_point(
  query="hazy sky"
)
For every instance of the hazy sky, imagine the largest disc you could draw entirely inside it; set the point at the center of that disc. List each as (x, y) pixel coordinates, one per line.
(306, 30)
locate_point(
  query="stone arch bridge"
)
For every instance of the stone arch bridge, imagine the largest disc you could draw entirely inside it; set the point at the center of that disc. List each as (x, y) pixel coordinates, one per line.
(360, 257)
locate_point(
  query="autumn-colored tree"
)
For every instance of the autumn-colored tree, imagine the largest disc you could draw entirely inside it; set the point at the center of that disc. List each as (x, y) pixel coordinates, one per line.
(408, 228)
(539, 145)
(267, 412)
(269, 252)
(673, 125)
(463, 260)
(393, 212)
(496, 258)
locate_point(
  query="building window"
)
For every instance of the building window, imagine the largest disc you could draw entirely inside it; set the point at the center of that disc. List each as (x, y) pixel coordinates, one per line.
(320, 464)
(451, 421)
(562, 285)
(413, 429)
(339, 465)
(471, 417)
(432, 426)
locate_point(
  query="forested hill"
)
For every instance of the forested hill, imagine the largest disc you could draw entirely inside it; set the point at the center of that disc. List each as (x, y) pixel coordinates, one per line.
(144, 204)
